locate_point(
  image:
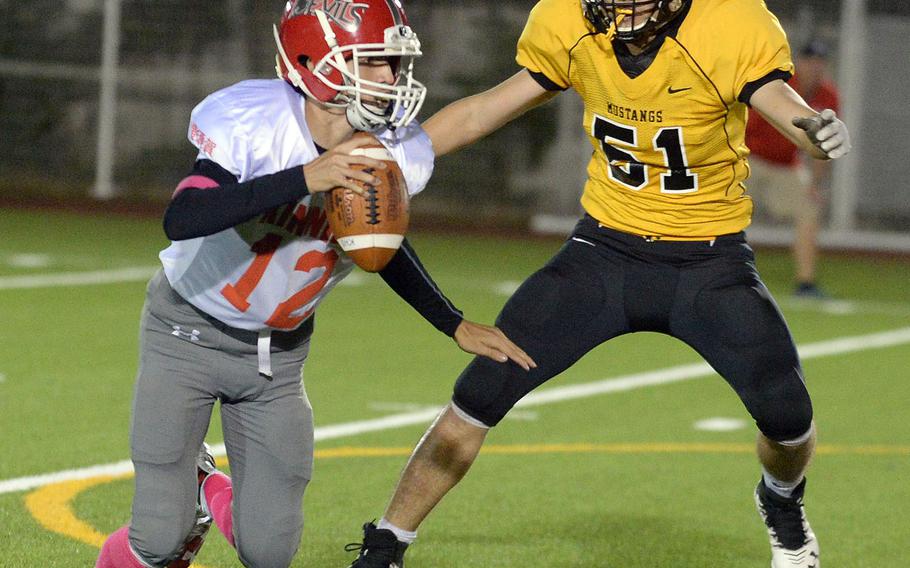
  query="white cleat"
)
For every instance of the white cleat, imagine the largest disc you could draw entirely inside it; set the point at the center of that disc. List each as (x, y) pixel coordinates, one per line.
(806, 556)
(793, 544)
(205, 466)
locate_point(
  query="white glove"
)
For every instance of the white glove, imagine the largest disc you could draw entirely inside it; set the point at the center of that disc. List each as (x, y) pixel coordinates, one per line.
(827, 132)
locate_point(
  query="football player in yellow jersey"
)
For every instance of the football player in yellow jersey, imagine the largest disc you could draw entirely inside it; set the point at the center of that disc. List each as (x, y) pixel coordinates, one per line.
(666, 86)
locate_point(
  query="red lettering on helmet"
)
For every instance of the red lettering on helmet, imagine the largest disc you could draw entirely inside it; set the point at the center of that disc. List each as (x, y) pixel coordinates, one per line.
(346, 13)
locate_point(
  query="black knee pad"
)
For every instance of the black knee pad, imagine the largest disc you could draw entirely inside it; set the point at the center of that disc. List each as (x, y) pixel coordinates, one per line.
(486, 389)
(781, 406)
(550, 317)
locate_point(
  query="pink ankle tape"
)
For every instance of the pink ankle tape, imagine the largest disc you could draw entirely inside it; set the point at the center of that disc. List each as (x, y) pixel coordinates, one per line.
(116, 552)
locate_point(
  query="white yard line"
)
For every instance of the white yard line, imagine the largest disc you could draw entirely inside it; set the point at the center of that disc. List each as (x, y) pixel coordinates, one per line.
(504, 288)
(91, 278)
(834, 307)
(28, 260)
(847, 307)
(680, 373)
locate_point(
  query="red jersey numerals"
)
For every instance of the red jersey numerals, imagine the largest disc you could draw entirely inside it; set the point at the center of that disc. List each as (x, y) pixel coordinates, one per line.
(282, 318)
(237, 294)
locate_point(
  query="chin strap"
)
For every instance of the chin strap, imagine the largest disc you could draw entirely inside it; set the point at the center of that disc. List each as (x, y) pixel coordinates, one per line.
(360, 121)
(357, 116)
(614, 25)
(330, 39)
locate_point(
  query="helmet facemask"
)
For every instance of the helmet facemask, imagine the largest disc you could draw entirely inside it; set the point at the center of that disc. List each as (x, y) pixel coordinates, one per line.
(631, 20)
(370, 105)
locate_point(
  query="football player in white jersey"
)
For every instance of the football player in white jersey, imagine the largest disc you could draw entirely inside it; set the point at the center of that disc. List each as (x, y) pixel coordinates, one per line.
(230, 316)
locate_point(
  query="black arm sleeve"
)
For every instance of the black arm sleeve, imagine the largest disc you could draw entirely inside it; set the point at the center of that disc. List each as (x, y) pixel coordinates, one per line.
(409, 279)
(545, 81)
(750, 88)
(197, 212)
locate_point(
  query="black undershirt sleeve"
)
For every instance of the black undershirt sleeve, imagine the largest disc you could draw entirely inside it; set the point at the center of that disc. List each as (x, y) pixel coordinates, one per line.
(750, 88)
(198, 212)
(409, 279)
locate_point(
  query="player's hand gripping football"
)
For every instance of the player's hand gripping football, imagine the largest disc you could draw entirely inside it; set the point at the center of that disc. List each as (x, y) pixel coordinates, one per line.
(827, 132)
(338, 168)
(491, 342)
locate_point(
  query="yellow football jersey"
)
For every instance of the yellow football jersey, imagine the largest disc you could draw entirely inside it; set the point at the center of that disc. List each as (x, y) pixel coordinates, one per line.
(669, 153)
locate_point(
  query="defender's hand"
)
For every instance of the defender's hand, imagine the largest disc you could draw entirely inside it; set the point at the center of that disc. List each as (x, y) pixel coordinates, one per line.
(337, 168)
(827, 132)
(491, 342)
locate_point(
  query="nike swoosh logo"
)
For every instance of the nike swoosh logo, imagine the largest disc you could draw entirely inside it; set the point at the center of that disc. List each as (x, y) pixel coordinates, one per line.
(576, 239)
(673, 91)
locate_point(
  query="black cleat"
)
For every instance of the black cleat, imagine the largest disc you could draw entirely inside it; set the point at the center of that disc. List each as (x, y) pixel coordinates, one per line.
(793, 544)
(380, 549)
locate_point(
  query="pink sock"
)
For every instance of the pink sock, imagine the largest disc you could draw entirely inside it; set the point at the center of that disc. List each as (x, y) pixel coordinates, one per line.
(116, 552)
(219, 495)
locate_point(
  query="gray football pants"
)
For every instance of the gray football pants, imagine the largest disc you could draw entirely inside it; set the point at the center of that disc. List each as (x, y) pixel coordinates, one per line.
(187, 362)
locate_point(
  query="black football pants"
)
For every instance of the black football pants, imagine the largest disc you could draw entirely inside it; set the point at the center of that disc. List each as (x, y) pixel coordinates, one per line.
(604, 283)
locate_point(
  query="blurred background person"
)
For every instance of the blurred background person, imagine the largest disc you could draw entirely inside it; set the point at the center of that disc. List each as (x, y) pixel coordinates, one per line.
(784, 185)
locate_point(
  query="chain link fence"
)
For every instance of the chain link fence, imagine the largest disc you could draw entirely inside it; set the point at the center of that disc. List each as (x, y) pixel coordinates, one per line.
(171, 54)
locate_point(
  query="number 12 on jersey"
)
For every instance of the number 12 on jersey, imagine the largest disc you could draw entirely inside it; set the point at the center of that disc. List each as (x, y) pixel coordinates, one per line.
(627, 170)
(284, 316)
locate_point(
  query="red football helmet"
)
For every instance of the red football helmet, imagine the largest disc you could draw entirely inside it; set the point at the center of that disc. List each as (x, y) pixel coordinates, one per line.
(333, 36)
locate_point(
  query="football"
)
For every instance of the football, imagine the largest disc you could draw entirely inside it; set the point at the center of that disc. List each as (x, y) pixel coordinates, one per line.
(370, 228)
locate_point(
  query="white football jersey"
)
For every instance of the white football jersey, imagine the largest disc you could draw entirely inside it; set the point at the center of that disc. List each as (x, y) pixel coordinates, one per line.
(271, 271)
